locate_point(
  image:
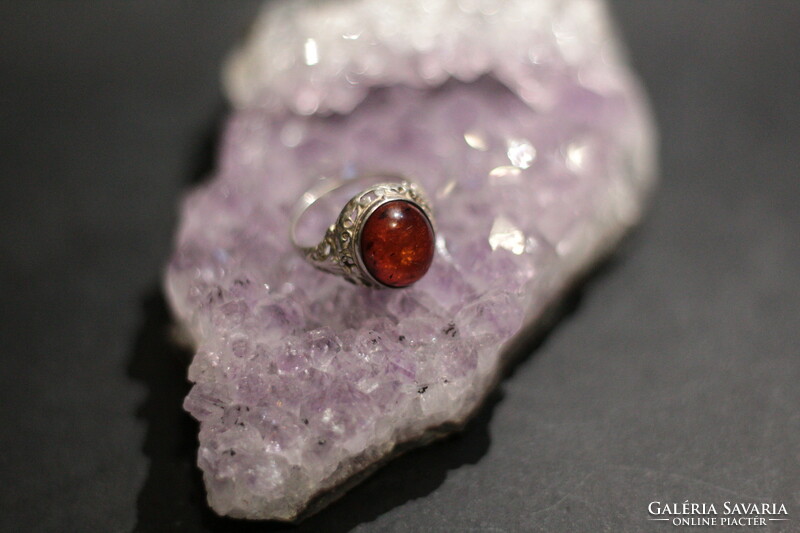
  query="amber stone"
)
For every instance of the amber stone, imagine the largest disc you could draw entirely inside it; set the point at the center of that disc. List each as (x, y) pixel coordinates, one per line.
(397, 243)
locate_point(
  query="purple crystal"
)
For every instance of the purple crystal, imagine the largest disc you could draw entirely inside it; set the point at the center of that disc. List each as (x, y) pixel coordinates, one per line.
(302, 380)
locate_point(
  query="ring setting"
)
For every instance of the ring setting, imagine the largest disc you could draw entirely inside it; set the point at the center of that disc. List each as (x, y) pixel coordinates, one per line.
(384, 236)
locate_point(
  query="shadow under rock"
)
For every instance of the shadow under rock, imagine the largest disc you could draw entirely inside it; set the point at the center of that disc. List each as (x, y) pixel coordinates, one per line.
(206, 146)
(173, 496)
(166, 501)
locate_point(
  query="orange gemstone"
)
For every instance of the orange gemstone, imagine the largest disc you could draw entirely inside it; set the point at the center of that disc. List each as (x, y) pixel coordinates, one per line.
(397, 243)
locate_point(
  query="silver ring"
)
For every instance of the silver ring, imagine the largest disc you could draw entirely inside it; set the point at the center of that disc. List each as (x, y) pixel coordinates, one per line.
(384, 236)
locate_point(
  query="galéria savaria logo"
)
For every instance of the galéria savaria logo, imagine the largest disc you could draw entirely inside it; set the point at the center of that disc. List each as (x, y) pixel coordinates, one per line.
(748, 514)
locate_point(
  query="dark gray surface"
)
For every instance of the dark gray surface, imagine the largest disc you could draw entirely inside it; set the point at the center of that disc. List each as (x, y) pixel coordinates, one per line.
(674, 377)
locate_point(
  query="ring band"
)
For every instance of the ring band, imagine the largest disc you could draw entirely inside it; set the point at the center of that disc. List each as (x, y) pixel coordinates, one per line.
(384, 236)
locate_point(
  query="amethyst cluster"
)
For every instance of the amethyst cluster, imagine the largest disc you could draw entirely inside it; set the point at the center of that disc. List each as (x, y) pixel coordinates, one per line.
(524, 125)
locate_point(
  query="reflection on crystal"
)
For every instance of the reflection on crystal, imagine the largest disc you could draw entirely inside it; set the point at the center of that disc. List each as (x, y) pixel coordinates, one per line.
(505, 172)
(441, 248)
(505, 234)
(307, 102)
(576, 153)
(445, 191)
(311, 52)
(476, 140)
(292, 134)
(520, 152)
(531, 245)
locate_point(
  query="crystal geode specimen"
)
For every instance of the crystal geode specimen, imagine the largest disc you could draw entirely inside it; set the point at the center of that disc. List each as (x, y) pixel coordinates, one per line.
(525, 126)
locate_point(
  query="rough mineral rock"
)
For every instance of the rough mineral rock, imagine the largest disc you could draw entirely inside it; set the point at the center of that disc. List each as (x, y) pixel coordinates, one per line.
(523, 124)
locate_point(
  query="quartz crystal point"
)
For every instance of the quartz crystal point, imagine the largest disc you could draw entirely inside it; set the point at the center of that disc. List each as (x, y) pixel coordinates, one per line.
(522, 121)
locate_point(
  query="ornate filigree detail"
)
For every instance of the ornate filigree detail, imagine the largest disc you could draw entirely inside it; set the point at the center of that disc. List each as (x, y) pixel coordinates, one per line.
(339, 251)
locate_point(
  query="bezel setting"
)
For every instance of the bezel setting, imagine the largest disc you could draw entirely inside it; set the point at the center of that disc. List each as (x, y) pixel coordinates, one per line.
(339, 252)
